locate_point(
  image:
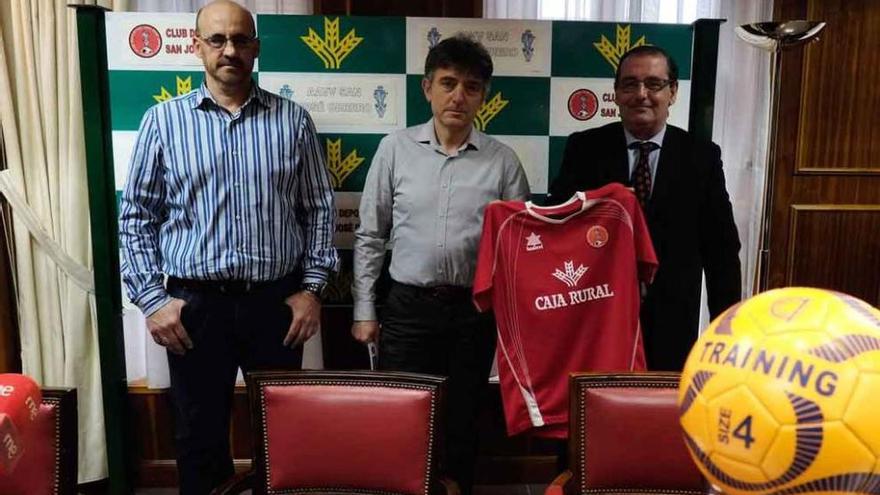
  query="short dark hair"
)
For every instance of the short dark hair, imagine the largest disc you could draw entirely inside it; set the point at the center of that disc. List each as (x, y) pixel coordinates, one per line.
(462, 53)
(648, 50)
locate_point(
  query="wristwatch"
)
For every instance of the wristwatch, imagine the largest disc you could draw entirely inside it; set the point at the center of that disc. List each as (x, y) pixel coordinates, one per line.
(315, 288)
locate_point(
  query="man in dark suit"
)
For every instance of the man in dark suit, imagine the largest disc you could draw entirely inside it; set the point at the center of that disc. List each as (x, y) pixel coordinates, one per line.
(679, 181)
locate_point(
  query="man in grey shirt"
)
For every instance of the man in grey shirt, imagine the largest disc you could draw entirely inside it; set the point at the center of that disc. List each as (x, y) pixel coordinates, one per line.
(424, 196)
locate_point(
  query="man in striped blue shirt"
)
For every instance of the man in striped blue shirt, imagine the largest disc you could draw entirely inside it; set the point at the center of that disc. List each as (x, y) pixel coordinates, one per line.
(229, 198)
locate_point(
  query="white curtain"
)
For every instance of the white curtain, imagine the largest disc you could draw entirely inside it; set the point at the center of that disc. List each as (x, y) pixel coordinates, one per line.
(667, 11)
(512, 9)
(45, 183)
(255, 6)
(742, 92)
(742, 117)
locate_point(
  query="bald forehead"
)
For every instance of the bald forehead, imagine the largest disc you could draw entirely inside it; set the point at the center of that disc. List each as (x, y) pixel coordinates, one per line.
(224, 16)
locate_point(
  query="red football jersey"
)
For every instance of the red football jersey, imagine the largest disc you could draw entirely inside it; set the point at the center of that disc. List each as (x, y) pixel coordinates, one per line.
(564, 284)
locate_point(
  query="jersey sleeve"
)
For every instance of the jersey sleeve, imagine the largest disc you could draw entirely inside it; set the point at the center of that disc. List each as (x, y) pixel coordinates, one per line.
(485, 271)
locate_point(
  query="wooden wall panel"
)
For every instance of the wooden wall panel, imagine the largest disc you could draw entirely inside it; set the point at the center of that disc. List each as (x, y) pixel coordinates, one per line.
(827, 157)
(10, 356)
(10, 350)
(837, 247)
(840, 124)
(153, 425)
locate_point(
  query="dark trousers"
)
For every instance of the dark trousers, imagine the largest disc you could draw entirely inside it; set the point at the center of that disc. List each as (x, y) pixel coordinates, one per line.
(440, 332)
(230, 326)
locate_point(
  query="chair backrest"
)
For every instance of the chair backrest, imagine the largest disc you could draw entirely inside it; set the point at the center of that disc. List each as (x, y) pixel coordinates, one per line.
(48, 465)
(626, 435)
(345, 431)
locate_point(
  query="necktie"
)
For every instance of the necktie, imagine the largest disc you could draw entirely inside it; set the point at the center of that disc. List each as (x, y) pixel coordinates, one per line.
(641, 176)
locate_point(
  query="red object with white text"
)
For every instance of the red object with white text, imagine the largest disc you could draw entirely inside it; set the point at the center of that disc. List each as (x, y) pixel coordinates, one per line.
(564, 284)
(20, 399)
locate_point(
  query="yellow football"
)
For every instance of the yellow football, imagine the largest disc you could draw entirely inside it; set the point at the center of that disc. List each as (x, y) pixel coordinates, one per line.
(781, 394)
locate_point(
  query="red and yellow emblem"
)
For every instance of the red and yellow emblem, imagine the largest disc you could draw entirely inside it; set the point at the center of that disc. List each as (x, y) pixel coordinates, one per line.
(583, 104)
(145, 41)
(597, 236)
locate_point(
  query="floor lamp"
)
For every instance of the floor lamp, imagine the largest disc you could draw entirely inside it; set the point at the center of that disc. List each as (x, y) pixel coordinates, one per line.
(773, 37)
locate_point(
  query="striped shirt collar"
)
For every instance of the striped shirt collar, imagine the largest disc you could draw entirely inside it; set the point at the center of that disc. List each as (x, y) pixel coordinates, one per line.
(425, 134)
(257, 93)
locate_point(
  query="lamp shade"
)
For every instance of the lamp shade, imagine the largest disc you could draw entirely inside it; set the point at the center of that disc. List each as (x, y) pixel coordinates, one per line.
(774, 36)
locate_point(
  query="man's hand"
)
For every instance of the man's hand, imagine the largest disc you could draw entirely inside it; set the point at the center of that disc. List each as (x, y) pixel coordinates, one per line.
(166, 328)
(306, 322)
(365, 331)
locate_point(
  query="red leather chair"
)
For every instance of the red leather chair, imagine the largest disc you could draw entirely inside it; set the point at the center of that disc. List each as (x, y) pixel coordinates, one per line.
(48, 465)
(335, 432)
(625, 437)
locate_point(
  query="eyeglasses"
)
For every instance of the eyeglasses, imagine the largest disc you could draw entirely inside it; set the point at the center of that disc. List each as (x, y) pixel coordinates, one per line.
(652, 84)
(218, 41)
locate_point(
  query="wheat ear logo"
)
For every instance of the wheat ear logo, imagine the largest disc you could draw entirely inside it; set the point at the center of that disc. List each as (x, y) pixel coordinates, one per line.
(184, 86)
(612, 52)
(330, 49)
(570, 276)
(488, 110)
(340, 169)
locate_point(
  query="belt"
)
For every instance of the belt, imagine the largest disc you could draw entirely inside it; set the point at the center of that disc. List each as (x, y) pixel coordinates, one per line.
(233, 287)
(441, 292)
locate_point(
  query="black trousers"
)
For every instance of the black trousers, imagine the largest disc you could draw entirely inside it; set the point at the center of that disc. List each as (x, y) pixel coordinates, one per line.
(231, 326)
(439, 331)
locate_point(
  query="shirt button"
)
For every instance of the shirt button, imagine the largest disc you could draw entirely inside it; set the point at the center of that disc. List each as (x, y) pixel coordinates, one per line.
(234, 153)
(238, 217)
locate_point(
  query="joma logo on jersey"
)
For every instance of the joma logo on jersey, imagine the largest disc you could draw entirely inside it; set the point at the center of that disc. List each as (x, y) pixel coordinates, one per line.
(533, 242)
(341, 168)
(488, 110)
(330, 49)
(184, 86)
(612, 52)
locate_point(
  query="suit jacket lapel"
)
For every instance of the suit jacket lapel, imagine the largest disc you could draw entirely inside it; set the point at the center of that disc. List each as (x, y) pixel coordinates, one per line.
(668, 167)
(617, 168)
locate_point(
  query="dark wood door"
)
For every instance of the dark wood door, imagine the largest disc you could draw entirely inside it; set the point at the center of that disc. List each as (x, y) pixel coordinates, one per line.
(10, 359)
(825, 228)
